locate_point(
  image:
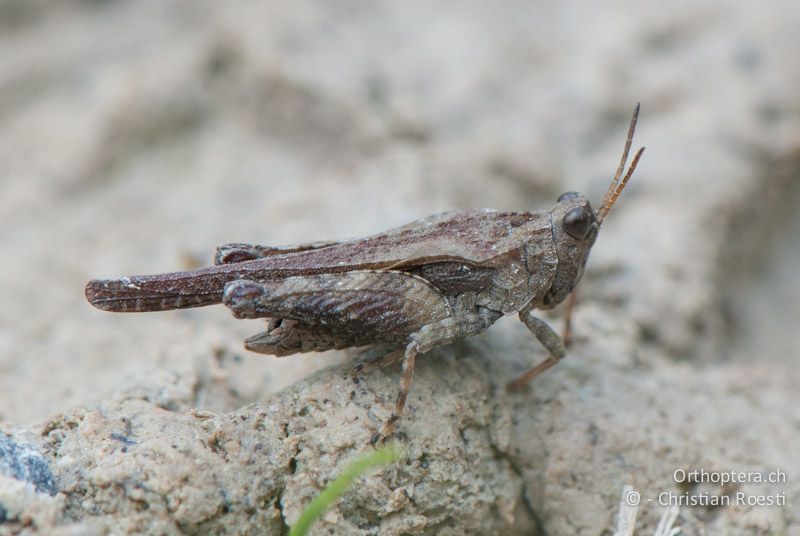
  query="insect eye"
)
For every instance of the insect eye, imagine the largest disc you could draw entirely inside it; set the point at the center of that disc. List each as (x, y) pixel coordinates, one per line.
(577, 222)
(567, 195)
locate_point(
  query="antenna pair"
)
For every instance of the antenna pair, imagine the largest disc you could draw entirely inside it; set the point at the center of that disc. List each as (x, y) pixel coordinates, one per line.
(618, 185)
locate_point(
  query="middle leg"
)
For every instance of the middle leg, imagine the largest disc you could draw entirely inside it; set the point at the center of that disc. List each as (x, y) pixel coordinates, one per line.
(435, 334)
(549, 339)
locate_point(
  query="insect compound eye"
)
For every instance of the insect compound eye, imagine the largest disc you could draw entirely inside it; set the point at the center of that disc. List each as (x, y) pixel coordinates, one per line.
(577, 222)
(567, 195)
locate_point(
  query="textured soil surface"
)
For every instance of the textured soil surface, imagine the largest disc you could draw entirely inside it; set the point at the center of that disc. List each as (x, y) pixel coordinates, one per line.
(138, 136)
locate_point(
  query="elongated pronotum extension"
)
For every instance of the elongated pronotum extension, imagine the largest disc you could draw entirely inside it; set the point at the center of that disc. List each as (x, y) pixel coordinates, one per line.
(617, 185)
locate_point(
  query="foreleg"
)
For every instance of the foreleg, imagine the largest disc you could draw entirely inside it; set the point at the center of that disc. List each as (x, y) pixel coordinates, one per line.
(549, 339)
(572, 299)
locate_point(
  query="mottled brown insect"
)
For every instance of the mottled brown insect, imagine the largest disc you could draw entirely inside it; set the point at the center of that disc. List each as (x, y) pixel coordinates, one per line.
(418, 286)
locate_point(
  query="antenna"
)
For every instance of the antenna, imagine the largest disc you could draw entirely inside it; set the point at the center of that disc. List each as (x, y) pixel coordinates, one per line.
(617, 185)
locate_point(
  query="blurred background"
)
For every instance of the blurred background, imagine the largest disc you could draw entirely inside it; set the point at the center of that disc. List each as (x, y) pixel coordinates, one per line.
(136, 136)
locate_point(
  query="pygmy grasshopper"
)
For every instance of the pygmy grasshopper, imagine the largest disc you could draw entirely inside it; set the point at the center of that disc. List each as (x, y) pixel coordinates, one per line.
(418, 286)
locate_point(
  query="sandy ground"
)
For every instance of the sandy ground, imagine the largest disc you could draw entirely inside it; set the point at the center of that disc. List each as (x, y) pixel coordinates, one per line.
(138, 136)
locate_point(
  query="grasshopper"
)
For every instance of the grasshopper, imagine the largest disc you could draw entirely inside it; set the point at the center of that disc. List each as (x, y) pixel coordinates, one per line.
(418, 286)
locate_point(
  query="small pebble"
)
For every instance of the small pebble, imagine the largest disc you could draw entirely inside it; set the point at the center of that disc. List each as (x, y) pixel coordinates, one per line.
(23, 462)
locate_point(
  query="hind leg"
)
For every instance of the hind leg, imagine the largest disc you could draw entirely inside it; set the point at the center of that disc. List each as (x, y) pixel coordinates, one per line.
(372, 305)
(375, 306)
(286, 337)
(239, 252)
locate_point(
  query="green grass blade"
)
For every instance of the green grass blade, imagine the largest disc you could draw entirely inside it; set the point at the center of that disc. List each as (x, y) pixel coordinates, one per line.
(335, 489)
